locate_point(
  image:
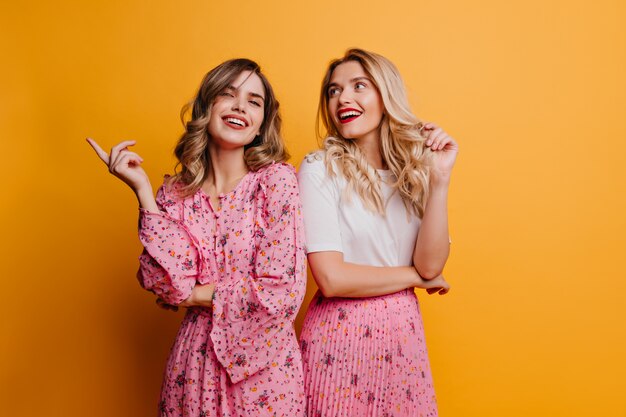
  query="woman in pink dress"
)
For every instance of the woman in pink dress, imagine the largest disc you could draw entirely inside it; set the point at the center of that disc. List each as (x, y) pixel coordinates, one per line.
(224, 237)
(381, 178)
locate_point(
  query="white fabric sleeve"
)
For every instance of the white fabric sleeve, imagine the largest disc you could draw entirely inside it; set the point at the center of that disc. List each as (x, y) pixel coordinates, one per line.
(320, 205)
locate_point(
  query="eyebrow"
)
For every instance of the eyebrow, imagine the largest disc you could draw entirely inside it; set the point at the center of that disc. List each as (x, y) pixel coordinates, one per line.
(353, 80)
(232, 87)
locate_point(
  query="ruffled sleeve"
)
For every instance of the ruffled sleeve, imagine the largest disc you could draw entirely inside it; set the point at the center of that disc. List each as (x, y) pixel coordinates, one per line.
(253, 317)
(170, 262)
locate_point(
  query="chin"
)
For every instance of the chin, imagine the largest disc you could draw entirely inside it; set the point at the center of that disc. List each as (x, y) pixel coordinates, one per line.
(349, 134)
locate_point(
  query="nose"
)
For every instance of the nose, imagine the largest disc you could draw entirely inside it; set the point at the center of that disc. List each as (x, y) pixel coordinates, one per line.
(239, 104)
(345, 96)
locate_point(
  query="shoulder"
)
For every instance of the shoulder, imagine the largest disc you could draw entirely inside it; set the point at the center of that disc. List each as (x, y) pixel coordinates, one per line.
(314, 177)
(314, 163)
(277, 174)
(169, 188)
(319, 164)
(276, 170)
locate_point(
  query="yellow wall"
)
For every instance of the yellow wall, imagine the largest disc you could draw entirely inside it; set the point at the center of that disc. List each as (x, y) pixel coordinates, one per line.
(533, 90)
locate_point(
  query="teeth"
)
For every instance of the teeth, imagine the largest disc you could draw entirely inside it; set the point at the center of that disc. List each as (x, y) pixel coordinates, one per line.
(235, 121)
(349, 114)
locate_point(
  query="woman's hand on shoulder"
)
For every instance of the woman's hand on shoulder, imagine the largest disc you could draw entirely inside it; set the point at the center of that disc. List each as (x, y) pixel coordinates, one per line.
(445, 150)
(124, 164)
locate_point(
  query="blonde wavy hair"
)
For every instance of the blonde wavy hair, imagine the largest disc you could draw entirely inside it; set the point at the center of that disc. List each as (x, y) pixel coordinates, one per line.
(192, 147)
(401, 142)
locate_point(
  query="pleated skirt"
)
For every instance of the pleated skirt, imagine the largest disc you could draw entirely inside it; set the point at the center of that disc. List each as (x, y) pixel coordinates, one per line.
(366, 357)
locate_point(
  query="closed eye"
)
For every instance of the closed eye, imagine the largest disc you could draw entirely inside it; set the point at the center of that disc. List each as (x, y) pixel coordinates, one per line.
(255, 103)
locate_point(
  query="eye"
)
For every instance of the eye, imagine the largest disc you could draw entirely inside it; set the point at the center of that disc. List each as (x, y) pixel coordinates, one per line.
(360, 85)
(226, 94)
(255, 103)
(333, 91)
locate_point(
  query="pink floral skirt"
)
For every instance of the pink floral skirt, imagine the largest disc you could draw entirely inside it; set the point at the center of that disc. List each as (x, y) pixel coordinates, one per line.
(366, 357)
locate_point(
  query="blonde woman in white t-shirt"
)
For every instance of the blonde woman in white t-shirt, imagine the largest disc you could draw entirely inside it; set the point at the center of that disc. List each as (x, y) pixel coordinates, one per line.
(382, 177)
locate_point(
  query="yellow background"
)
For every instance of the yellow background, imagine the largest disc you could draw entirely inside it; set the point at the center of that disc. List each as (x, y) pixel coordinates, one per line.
(533, 90)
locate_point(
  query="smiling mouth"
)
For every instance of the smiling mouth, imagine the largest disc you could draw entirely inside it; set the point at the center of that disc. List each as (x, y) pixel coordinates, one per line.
(348, 115)
(235, 122)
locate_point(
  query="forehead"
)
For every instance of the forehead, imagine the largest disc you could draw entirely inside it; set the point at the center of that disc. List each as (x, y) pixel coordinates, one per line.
(249, 82)
(346, 71)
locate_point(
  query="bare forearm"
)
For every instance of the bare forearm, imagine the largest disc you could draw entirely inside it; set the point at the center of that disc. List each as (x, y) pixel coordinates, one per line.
(201, 296)
(433, 241)
(337, 278)
(146, 199)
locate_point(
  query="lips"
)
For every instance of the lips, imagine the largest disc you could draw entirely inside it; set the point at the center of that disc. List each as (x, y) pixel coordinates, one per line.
(235, 122)
(348, 114)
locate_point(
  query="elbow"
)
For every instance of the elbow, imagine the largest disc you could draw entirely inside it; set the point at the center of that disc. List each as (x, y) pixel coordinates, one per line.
(326, 285)
(141, 279)
(328, 272)
(326, 289)
(428, 272)
(328, 293)
(428, 275)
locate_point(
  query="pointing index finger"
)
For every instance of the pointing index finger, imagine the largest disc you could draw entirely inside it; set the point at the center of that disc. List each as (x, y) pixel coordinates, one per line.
(99, 151)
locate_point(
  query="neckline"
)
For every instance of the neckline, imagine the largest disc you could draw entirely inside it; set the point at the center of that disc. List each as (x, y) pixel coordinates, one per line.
(232, 191)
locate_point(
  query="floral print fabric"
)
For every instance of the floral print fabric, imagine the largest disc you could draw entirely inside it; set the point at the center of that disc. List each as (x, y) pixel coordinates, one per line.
(366, 357)
(241, 357)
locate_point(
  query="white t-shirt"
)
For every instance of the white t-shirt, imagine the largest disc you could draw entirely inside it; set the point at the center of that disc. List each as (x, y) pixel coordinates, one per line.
(334, 224)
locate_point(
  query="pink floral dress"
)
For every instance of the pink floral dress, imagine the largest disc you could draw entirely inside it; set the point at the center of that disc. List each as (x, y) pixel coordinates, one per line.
(240, 358)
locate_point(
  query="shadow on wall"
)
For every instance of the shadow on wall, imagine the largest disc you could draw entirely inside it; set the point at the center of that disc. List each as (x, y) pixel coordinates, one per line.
(147, 332)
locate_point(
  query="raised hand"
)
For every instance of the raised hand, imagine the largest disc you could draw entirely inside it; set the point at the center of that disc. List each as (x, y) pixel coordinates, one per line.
(126, 165)
(123, 163)
(445, 150)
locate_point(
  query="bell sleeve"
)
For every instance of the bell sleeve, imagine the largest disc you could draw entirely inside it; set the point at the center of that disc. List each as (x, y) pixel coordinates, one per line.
(253, 316)
(170, 262)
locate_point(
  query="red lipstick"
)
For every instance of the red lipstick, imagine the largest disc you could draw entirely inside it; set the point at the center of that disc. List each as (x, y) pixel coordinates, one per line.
(348, 114)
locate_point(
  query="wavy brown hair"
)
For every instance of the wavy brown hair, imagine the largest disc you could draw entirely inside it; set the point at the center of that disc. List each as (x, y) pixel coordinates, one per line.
(192, 147)
(401, 142)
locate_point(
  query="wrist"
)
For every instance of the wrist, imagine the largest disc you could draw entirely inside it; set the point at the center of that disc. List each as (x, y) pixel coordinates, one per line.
(418, 281)
(439, 180)
(202, 295)
(142, 188)
(146, 199)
